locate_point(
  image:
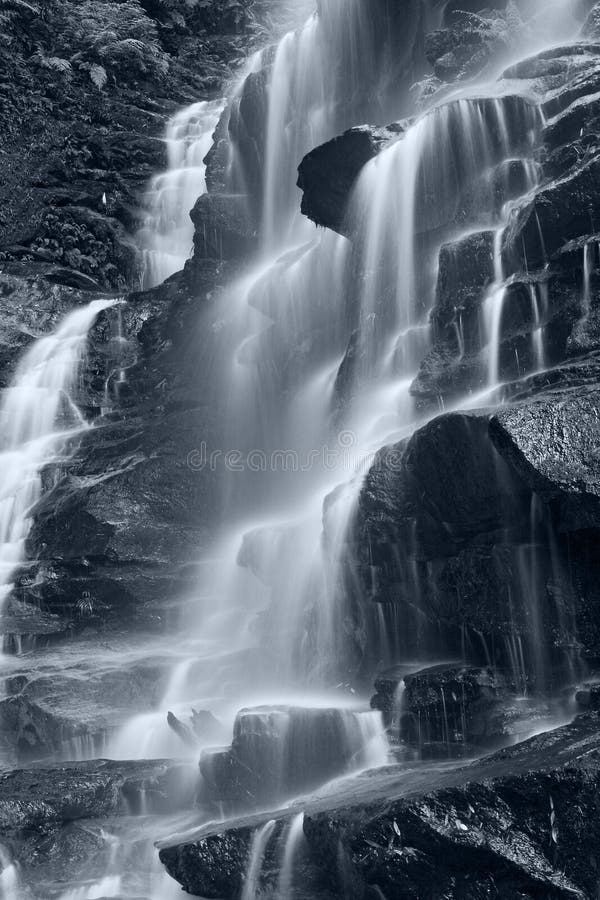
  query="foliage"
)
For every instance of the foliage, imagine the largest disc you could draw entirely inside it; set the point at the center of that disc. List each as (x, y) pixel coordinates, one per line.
(10, 13)
(98, 75)
(110, 39)
(57, 63)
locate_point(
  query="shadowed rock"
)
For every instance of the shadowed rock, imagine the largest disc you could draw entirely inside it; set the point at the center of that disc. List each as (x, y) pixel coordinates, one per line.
(327, 175)
(511, 823)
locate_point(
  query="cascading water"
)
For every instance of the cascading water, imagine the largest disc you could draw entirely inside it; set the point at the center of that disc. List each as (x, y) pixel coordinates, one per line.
(304, 107)
(167, 235)
(293, 844)
(322, 78)
(38, 416)
(258, 849)
(320, 369)
(421, 185)
(10, 887)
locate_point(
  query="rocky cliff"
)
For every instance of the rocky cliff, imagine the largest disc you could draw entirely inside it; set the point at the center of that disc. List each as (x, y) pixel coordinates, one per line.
(475, 537)
(485, 505)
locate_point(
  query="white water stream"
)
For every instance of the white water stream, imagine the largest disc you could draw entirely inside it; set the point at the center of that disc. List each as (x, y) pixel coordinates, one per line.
(38, 415)
(293, 306)
(292, 386)
(167, 235)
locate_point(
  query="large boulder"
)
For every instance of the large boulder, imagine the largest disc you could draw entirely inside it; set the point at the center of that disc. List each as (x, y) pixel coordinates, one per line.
(327, 174)
(553, 442)
(484, 525)
(280, 752)
(521, 822)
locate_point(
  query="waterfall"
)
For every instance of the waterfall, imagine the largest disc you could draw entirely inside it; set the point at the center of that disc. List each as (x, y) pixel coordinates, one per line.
(38, 417)
(293, 842)
(589, 250)
(258, 848)
(317, 371)
(539, 306)
(167, 234)
(493, 308)
(10, 883)
(339, 68)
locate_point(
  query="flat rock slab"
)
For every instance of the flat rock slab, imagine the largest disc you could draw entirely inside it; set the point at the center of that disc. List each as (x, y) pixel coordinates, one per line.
(524, 823)
(67, 792)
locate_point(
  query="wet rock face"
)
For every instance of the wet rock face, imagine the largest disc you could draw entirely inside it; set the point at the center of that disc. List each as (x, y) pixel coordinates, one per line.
(552, 442)
(446, 706)
(511, 823)
(327, 175)
(224, 228)
(55, 820)
(73, 712)
(279, 753)
(77, 153)
(37, 796)
(120, 522)
(473, 524)
(384, 41)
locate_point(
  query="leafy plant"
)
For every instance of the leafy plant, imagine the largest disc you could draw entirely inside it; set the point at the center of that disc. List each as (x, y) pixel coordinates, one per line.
(10, 12)
(57, 63)
(111, 39)
(98, 75)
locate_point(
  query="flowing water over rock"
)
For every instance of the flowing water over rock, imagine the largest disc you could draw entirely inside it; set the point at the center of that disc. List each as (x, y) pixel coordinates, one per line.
(38, 416)
(349, 538)
(168, 233)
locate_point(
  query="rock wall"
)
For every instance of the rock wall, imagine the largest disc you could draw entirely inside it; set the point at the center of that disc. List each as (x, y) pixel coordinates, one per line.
(83, 116)
(480, 533)
(521, 824)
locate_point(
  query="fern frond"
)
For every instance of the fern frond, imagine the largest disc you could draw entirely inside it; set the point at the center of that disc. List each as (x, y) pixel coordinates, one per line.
(57, 63)
(98, 75)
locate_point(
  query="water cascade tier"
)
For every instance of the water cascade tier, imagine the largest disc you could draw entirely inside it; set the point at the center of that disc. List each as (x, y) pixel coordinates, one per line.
(326, 559)
(168, 232)
(39, 417)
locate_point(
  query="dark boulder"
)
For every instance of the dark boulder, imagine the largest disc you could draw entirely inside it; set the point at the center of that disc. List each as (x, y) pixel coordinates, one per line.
(224, 228)
(485, 527)
(454, 705)
(280, 752)
(327, 174)
(448, 709)
(521, 823)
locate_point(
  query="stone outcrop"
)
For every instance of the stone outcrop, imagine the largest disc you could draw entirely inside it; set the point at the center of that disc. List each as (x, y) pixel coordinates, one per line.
(282, 752)
(60, 794)
(486, 523)
(448, 709)
(512, 822)
(327, 175)
(55, 820)
(379, 55)
(78, 154)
